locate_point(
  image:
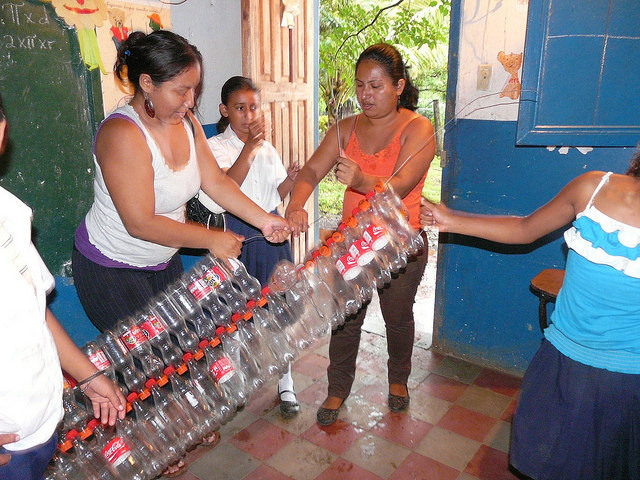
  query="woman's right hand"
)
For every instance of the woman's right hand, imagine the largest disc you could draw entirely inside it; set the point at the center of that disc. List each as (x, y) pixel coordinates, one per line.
(298, 219)
(226, 244)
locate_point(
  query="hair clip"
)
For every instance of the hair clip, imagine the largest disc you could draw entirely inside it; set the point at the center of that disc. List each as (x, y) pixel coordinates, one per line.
(127, 53)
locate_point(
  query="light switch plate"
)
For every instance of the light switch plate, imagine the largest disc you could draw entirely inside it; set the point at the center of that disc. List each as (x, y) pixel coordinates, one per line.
(484, 77)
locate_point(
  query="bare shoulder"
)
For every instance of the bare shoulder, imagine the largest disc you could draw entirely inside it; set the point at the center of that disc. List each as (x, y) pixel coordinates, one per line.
(418, 125)
(119, 138)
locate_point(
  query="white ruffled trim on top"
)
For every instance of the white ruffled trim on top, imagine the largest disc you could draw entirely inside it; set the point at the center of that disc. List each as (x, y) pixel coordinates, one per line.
(627, 235)
(584, 248)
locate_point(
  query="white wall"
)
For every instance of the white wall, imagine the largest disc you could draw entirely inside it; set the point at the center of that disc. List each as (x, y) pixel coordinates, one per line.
(488, 27)
(214, 26)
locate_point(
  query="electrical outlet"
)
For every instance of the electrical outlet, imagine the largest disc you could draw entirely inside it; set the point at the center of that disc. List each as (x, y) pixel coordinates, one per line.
(484, 77)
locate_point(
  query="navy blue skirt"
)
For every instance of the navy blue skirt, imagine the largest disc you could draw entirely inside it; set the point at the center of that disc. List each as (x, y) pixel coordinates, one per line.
(576, 422)
(258, 255)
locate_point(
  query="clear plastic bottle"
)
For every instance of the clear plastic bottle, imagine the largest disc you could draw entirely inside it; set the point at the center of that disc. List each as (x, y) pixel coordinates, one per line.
(138, 345)
(388, 207)
(158, 430)
(120, 454)
(321, 295)
(154, 459)
(191, 311)
(120, 358)
(225, 373)
(206, 385)
(250, 336)
(243, 358)
(249, 285)
(345, 293)
(67, 467)
(353, 273)
(364, 254)
(379, 238)
(172, 412)
(288, 316)
(155, 329)
(206, 294)
(164, 308)
(282, 347)
(75, 415)
(207, 420)
(210, 274)
(88, 458)
(96, 355)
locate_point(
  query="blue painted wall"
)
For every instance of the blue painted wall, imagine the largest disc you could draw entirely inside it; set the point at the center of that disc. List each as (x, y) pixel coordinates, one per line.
(485, 311)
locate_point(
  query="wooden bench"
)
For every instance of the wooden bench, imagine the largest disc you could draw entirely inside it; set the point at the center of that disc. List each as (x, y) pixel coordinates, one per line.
(546, 285)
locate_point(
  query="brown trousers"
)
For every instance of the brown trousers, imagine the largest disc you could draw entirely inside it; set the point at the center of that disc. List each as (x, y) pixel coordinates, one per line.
(396, 303)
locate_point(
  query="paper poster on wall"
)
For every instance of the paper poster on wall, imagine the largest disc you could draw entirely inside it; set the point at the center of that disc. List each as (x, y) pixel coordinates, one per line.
(125, 17)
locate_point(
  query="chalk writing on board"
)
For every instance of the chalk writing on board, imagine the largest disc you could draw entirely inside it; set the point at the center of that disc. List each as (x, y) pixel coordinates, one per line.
(27, 31)
(16, 14)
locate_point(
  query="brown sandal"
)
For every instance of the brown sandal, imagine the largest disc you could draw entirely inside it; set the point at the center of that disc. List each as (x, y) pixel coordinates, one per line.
(211, 439)
(182, 469)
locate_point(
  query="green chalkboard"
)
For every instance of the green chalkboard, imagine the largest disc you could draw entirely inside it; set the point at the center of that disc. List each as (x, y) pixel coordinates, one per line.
(53, 105)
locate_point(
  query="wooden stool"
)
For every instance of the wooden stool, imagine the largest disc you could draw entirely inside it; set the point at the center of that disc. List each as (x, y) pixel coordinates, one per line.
(546, 285)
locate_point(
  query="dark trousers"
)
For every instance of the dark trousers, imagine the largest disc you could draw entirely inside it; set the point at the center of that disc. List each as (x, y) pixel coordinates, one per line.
(28, 464)
(396, 303)
(110, 294)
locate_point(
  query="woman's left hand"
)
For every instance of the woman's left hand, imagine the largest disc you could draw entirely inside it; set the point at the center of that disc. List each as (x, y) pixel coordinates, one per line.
(107, 399)
(348, 172)
(276, 229)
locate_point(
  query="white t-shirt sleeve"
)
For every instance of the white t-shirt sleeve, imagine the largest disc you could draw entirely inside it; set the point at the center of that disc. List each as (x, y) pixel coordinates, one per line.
(222, 152)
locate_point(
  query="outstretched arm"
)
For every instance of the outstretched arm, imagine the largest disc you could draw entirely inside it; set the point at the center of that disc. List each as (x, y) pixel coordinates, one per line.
(514, 229)
(107, 399)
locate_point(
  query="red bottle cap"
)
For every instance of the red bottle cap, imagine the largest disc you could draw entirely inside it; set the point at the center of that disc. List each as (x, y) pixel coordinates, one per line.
(187, 356)
(93, 423)
(330, 241)
(235, 317)
(71, 434)
(265, 290)
(342, 226)
(370, 195)
(355, 211)
(219, 331)
(169, 370)
(132, 397)
(150, 383)
(251, 304)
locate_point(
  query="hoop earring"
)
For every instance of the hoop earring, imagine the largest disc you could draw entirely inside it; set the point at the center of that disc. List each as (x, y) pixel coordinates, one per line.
(148, 106)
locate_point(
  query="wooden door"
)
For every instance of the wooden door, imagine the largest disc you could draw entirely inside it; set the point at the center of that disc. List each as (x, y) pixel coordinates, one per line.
(280, 62)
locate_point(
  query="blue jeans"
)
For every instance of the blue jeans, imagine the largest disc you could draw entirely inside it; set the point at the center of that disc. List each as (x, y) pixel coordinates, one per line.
(28, 464)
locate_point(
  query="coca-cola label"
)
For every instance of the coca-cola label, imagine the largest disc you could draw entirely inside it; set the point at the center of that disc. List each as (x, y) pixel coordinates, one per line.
(116, 451)
(359, 248)
(133, 337)
(199, 289)
(374, 232)
(214, 277)
(152, 326)
(347, 266)
(99, 360)
(222, 370)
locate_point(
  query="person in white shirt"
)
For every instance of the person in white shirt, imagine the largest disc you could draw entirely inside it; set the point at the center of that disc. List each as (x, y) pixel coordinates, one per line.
(243, 153)
(33, 347)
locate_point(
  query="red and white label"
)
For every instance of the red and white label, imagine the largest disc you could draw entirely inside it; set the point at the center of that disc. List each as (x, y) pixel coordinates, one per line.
(222, 370)
(347, 266)
(152, 326)
(373, 233)
(134, 337)
(99, 360)
(214, 277)
(361, 251)
(199, 289)
(116, 451)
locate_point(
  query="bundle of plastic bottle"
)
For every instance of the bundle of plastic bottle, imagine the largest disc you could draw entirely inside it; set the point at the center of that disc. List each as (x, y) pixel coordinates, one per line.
(202, 349)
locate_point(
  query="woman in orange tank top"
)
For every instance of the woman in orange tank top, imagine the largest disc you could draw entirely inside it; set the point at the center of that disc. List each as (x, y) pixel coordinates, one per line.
(378, 142)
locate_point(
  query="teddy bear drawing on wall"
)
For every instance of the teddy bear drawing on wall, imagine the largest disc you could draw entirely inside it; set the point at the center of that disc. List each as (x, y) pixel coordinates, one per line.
(511, 64)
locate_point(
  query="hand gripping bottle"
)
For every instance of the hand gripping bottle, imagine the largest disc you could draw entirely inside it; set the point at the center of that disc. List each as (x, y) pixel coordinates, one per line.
(159, 432)
(321, 295)
(378, 237)
(345, 294)
(172, 412)
(119, 356)
(88, 457)
(281, 346)
(250, 336)
(191, 311)
(288, 317)
(353, 273)
(154, 460)
(120, 453)
(138, 345)
(206, 385)
(158, 336)
(225, 373)
(212, 274)
(207, 420)
(243, 359)
(164, 308)
(364, 255)
(249, 285)
(389, 208)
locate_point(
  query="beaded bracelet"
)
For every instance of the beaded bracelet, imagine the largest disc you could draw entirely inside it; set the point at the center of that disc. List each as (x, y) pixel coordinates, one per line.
(88, 379)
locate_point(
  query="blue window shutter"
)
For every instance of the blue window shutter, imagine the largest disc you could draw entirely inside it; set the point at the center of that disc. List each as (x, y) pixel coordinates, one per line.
(581, 74)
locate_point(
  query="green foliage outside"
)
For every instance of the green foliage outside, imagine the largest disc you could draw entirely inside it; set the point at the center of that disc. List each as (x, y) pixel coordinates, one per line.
(420, 31)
